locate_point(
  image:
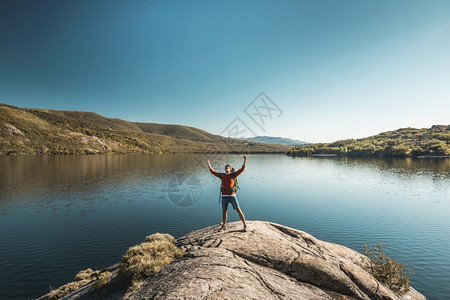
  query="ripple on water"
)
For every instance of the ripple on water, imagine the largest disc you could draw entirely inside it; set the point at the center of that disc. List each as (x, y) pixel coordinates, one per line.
(65, 218)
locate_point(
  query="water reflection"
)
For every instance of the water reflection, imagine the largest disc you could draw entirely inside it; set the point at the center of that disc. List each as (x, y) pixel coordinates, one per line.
(31, 178)
(435, 166)
(28, 179)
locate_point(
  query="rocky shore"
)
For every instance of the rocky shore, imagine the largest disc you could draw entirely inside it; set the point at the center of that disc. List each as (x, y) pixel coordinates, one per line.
(269, 261)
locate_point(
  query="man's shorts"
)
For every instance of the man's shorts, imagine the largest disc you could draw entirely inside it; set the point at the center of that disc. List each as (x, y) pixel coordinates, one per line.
(229, 199)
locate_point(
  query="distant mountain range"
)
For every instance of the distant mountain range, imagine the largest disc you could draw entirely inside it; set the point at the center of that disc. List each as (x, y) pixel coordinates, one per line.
(275, 140)
(43, 131)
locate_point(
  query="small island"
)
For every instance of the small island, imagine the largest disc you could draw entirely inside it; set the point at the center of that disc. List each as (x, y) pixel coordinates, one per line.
(269, 261)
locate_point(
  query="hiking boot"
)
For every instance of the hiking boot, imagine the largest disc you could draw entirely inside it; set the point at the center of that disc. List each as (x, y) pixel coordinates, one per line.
(223, 228)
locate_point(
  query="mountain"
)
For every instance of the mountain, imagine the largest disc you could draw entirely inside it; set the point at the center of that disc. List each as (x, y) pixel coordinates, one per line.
(275, 140)
(43, 131)
(404, 142)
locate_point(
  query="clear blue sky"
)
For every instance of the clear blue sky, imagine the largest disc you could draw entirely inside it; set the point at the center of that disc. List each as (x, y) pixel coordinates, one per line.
(337, 69)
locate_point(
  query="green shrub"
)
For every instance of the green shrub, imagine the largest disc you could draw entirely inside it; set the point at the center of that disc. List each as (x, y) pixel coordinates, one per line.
(387, 270)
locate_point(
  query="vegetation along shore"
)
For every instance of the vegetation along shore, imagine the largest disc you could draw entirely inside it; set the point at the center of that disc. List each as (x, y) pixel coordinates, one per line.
(404, 142)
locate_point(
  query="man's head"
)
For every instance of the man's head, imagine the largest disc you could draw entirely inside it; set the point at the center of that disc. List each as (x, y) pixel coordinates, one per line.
(228, 168)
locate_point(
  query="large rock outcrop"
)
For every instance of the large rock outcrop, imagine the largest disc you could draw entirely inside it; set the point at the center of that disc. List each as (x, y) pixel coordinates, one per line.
(269, 261)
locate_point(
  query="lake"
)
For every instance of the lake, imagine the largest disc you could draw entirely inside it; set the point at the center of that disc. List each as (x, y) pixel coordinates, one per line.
(62, 214)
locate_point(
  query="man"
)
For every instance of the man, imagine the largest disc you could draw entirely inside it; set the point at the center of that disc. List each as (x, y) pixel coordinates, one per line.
(228, 191)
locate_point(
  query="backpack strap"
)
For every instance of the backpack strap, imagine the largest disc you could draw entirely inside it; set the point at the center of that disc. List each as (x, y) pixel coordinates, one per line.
(220, 190)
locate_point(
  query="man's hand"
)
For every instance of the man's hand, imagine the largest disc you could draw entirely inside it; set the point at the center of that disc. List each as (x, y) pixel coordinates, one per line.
(208, 162)
(245, 157)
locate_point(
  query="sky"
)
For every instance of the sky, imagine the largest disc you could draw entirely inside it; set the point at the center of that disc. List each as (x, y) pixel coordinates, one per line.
(315, 70)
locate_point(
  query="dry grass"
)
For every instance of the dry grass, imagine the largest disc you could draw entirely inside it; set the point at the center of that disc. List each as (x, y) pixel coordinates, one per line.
(82, 278)
(135, 285)
(138, 263)
(67, 289)
(147, 259)
(84, 274)
(102, 279)
(160, 237)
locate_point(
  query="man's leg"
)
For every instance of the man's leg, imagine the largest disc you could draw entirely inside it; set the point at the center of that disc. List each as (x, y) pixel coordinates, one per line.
(224, 217)
(224, 220)
(241, 215)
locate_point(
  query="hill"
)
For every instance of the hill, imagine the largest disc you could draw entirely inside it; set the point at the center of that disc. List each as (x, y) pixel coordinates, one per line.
(42, 131)
(181, 132)
(275, 140)
(404, 142)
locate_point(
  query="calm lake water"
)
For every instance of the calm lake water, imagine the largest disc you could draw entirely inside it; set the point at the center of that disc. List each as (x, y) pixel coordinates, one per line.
(61, 214)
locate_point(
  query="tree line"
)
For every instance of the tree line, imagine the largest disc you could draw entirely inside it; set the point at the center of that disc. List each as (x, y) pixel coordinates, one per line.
(405, 142)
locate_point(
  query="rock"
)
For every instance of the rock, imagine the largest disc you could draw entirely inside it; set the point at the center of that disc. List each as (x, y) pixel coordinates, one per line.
(266, 262)
(43, 150)
(269, 261)
(13, 130)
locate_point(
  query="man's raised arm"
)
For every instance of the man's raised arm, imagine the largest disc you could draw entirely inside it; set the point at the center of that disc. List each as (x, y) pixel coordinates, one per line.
(238, 172)
(208, 162)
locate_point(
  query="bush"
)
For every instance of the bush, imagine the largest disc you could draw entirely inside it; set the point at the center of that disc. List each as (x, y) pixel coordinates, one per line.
(160, 237)
(82, 278)
(102, 279)
(387, 270)
(83, 275)
(67, 289)
(148, 258)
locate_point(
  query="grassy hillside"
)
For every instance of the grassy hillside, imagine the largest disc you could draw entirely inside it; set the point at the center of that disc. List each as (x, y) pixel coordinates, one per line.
(405, 142)
(40, 131)
(181, 132)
